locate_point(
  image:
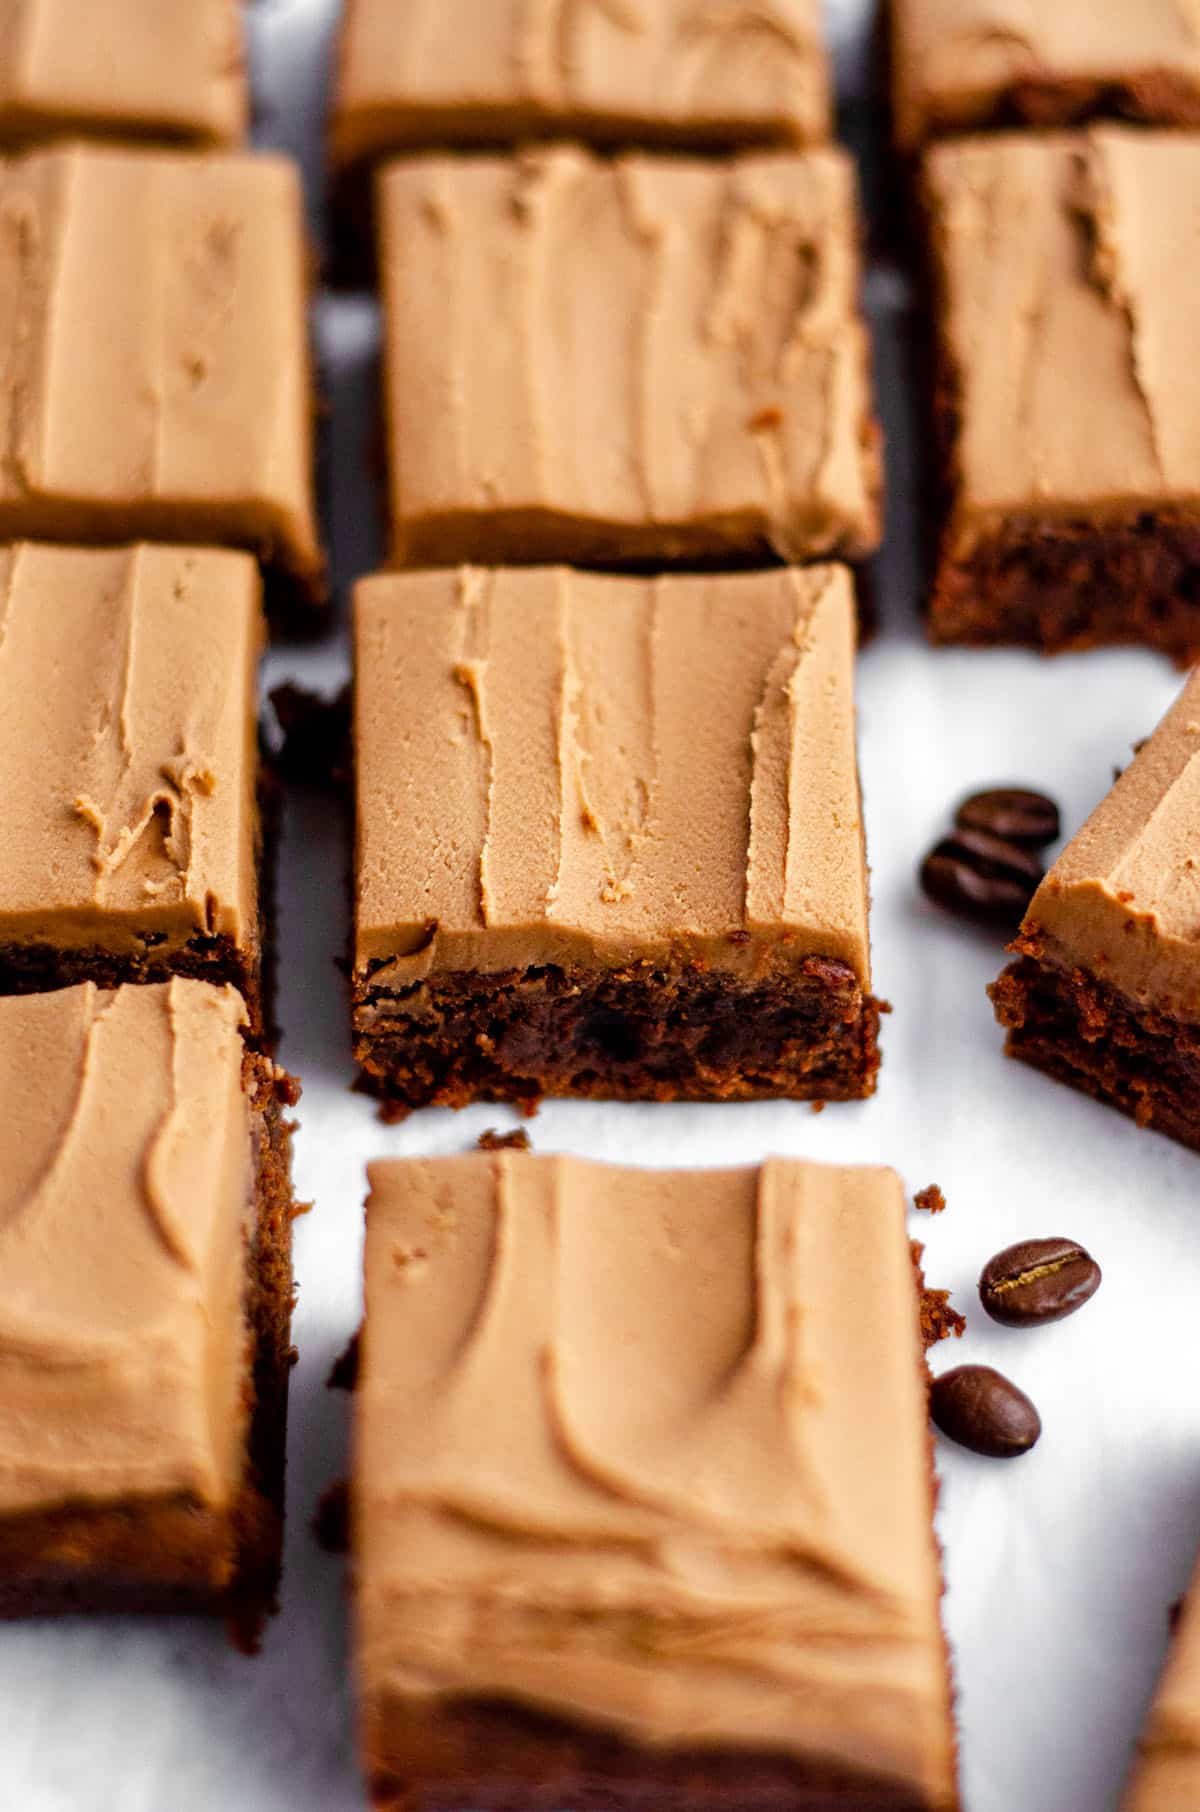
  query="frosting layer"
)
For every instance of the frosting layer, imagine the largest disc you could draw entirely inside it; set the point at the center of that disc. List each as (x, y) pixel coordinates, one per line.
(556, 766)
(1064, 332)
(1167, 1776)
(640, 71)
(128, 745)
(127, 68)
(125, 1187)
(958, 63)
(1123, 899)
(648, 1451)
(154, 371)
(620, 360)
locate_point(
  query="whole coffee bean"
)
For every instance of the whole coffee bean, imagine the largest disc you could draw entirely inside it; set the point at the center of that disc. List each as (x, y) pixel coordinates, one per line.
(981, 877)
(1012, 812)
(1038, 1280)
(983, 1410)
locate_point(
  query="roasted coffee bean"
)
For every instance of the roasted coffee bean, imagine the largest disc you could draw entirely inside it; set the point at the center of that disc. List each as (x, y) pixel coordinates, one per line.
(1012, 812)
(1038, 1280)
(983, 1410)
(981, 877)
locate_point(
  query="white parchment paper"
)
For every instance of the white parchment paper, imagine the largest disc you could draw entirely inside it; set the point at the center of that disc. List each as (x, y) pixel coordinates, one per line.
(1061, 1566)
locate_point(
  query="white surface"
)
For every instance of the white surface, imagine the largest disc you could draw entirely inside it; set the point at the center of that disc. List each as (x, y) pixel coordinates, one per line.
(1061, 1565)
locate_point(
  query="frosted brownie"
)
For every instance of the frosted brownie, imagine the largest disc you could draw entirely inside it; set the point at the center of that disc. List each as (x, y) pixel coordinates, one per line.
(609, 838)
(1066, 394)
(961, 65)
(1166, 1777)
(145, 1302)
(128, 744)
(1105, 989)
(641, 72)
(641, 1492)
(154, 362)
(134, 69)
(637, 361)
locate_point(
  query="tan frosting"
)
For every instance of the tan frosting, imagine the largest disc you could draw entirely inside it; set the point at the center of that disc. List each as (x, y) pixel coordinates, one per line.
(640, 71)
(128, 745)
(1167, 1776)
(171, 69)
(954, 61)
(154, 370)
(646, 358)
(1123, 899)
(124, 1192)
(1063, 260)
(557, 766)
(648, 1451)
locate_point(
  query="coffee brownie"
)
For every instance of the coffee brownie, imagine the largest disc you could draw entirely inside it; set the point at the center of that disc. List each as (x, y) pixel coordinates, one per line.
(133, 69)
(641, 1493)
(128, 745)
(609, 838)
(1166, 1777)
(1105, 989)
(154, 361)
(962, 65)
(145, 1304)
(628, 362)
(450, 73)
(1066, 399)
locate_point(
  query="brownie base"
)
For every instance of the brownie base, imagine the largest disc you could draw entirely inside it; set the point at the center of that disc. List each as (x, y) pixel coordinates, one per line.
(635, 1034)
(1084, 1032)
(1071, 585)
(178, 1555)
(469, 1755)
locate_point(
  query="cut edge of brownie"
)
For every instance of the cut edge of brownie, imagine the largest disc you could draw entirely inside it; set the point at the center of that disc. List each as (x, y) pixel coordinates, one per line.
(639, 1033)
(459, 1742)
(108, 1554)
(1153, 97)
(1085, 1032)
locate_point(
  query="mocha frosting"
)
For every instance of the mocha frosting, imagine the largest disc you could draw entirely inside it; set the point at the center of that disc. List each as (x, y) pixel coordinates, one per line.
(648, 1452)
(957, 63)
(1123, 900)
(638, 71)
(1167, 1775)
(137, 69)
(154, 367)
(128, 745)
(640, 358)
(125, 1185)
(1061, 261)
(556, 767)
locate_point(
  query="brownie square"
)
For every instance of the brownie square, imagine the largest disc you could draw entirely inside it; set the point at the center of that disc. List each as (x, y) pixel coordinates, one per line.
(154, 361)
(609, 838)
(455, 73)
(641, 1494)
(145, 1304)
(1105, 989)
(625, 362)
(139, 70)
(1065, 396)
(128, 745)
(963, 65)
(1166, 1776)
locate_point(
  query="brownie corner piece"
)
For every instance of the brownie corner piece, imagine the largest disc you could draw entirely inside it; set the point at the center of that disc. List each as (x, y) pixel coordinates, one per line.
(956, 69)
(533, 1557)
(729, 423)
(145, 1305)
(1069, 469)
(1104, 989)
(137, 808)
(609, 838)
